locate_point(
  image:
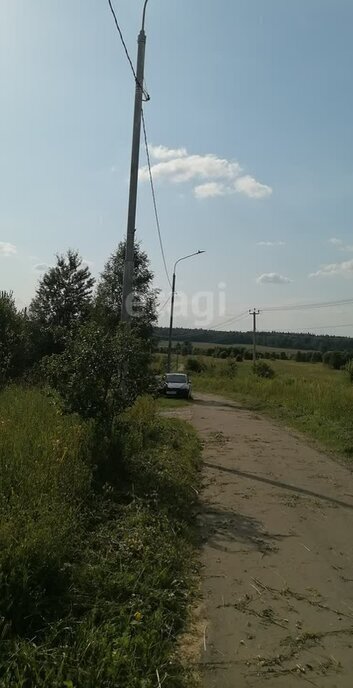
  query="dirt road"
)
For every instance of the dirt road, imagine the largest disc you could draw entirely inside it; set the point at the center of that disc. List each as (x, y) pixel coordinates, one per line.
(277, 559)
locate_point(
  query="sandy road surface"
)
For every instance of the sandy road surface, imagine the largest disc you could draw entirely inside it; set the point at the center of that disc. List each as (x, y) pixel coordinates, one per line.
(277, 526)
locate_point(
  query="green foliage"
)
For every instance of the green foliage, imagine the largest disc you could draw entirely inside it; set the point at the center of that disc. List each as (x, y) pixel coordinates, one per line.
(194, 365)
(99, 374)
(63, 298)
(95, 581)
(11, 340)
(108, 298)
(264, 370)
(186, 348)
(62, 303)
(335, 359)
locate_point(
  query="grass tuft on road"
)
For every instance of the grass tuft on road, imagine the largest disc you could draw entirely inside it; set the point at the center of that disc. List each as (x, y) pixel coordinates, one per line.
(96, 546)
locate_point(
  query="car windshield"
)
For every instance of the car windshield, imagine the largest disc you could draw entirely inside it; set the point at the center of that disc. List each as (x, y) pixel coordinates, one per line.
(176, 378)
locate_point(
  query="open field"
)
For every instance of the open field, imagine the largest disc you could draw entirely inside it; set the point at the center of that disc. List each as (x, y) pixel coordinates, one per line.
(310, 397)
(212, 345)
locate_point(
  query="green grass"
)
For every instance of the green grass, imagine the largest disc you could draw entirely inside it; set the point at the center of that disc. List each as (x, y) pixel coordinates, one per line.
(310, 397)
(96, 546)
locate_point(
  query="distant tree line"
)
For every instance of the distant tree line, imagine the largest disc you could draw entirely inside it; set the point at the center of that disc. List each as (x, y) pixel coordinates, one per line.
(333, 359)
(278, 340)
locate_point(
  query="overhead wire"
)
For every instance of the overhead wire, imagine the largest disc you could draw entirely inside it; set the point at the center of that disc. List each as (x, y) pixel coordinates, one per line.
(147, 97)
(154, 199)
(234, 318)
(307, 306)
(164, 305)
(289, 307)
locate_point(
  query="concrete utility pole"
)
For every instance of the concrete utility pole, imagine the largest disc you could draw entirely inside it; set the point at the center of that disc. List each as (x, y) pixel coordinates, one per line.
(127, 297)
(255, 312)
(169, 361)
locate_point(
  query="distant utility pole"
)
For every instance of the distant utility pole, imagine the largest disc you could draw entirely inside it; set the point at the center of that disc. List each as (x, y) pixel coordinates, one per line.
(127, 296)
(255, 312)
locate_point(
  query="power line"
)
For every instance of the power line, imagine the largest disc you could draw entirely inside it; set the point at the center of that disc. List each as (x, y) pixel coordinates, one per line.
(154, 199)
(308, 306)
(161, 308)
(234, 318)
(147, 97)
(237, 318)
(290, 307)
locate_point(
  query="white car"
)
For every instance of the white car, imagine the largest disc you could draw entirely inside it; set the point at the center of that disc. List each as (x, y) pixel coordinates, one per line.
(177, 385)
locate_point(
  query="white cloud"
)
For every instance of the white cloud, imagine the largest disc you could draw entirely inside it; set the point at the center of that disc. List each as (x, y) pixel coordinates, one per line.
(341, 245)
(7, 249)
(271, 243)
(210, 190)
(41, 267)
(193, 167)
(164, 153)
(250, 187)
(345, 269)
(222, 176)
(272, 278)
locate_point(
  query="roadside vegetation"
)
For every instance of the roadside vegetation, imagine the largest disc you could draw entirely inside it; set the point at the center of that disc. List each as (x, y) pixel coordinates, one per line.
(97, 493)
(96, 546)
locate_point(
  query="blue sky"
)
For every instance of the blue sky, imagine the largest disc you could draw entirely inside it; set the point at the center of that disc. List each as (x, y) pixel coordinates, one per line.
(252, 103)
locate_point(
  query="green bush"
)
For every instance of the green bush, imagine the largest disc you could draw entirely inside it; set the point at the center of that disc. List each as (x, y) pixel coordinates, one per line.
(100, 374)
(335, 359)
(264, 370)
(193, 365)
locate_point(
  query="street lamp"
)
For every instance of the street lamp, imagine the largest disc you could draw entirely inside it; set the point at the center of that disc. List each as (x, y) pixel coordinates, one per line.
(197, 253)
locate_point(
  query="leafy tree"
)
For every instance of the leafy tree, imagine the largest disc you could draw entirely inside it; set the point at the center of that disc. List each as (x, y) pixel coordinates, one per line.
(335, 359)
(186, 348)
(10, 338)
(63, 302)
(99, 374)
(64, 295)
(108, 300)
